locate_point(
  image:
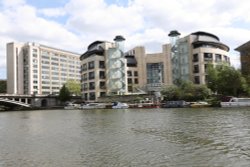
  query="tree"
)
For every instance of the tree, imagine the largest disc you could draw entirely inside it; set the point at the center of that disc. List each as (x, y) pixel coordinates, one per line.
(226, 80)
(3, 86)
(212, 78)
(64, 94)
(74, 87)
(186, 91)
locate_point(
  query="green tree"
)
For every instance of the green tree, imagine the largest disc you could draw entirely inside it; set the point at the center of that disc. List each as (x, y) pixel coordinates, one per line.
(64, 94)
(74, 87)
(171, 93)
(3, 86)
(186, 91)
(226, 80)
(212, 78)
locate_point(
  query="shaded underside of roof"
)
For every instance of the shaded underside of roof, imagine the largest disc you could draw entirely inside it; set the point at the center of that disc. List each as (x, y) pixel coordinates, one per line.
(214, 44)
(131, 61)
(98, 51)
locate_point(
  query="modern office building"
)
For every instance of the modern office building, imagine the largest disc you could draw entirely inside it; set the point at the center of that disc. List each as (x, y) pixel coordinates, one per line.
(191, 55)
(244, 50)
(38, 69)
(107, 69)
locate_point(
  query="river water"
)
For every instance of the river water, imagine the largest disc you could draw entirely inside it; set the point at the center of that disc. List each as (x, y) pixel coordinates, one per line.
(211, 137)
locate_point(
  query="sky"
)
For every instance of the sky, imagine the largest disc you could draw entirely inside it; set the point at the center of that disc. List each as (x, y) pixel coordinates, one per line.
(73, 24)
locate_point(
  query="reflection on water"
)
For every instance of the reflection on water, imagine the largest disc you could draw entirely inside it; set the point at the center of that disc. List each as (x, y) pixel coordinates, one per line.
(129, 137)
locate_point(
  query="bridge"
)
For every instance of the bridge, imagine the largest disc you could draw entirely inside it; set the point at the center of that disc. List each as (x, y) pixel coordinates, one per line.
(14, 102)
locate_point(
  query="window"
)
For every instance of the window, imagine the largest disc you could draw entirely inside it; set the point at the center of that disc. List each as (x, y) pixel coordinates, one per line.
(218, 58)
(102, 75)
(130, 81)
(208, 56)
(84, 67)
(195, 58)
(155, 73)
(102, 85)
(85, 77)
(91, 75)
(91, 86)
(196, 68)
(85, 86)
(197, 80)
(135, 73)
(91, 65)
(136, 81)
(129, 73)
(92, 96)
(101, 64)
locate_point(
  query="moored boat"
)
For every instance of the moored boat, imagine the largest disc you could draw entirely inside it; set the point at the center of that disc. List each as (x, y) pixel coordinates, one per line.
(199, 104)
(119, 105)
(93, 106)
(236, 102)
(70, 106)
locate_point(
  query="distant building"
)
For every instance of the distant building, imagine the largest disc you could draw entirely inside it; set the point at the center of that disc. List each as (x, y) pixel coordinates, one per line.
(244, 50)
(105, 65)
(38, 69)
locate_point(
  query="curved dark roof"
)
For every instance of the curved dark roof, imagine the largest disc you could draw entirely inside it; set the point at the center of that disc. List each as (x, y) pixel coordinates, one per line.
(119, 38)
(206, 34)
(214, 44)
(92, 49)
(174, 33)
(94, 43)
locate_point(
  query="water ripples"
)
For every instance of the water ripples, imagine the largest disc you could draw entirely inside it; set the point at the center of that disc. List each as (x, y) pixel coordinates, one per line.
(131, 137)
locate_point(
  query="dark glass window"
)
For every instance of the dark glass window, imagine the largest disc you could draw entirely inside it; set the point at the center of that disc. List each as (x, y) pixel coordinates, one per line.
(196, 68)
(129, 73)
(218, 58)
(197, 80)
(208, 56)
(195, 58)
(101, 64)
(129, 80)
(102, 74)
(92, 96)
(91, 86)
(136, 81)
(135, 73)
(91, 75)
(91, 65)
(102, 85)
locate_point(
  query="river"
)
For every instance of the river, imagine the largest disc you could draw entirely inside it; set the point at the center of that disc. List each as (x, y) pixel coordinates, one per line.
(208, 137)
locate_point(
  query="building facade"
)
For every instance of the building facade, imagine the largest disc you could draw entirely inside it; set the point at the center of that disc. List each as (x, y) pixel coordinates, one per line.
(38, 69)
(244, 50)
(184, 58)
(191, 55)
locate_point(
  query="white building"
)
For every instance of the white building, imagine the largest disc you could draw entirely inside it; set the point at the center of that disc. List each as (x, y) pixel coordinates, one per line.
(38, 69)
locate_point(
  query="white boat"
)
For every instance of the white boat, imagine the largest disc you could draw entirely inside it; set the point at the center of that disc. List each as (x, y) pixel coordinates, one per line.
(199, 104)
(70, 106)
(119, 105)
(93, 106)
(236, 102)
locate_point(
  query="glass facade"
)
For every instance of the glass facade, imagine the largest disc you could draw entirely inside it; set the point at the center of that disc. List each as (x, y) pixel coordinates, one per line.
(155, 73)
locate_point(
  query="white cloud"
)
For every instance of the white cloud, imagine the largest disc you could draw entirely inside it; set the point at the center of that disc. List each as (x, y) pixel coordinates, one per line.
(52, 12)
(141, 22)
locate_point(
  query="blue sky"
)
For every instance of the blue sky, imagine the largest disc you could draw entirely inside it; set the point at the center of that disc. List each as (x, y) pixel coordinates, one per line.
(73, 24)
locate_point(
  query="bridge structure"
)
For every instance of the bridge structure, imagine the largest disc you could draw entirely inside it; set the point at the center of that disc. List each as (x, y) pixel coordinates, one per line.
(30, 101)
(14, 102)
